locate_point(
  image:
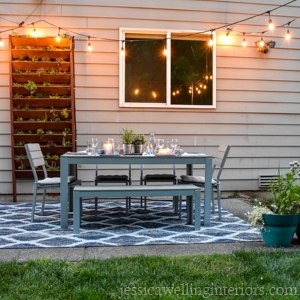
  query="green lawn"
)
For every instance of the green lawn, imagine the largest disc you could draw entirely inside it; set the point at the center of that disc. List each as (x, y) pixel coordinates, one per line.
(241, 275)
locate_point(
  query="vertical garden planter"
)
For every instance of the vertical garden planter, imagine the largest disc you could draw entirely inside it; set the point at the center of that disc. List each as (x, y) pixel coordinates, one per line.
(45, 113)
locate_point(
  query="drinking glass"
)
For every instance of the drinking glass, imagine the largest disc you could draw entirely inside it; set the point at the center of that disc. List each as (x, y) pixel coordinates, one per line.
(94, 145)
(89, 147)
(160, 144)
(174, 144)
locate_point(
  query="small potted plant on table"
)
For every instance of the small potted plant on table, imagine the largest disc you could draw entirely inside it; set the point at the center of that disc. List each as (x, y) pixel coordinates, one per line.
(127, 135)
(138, 141)
(278, 217)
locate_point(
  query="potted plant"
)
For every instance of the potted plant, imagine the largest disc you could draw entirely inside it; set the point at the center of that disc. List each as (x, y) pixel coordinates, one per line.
(127, 135)
(138, 141)
(278, 217)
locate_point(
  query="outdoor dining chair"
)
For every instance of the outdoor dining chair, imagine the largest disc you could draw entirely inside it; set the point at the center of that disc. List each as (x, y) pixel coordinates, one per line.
(158, 178)
(218, 162)
(114, 178)
(36, 160)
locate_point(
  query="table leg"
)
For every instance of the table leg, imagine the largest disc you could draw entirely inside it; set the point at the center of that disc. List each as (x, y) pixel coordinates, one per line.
(208, 190)
(197, 210)
(64, 192)
(189, 199)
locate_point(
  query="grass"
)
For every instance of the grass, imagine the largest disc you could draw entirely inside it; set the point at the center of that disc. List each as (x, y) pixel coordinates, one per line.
(241, 275)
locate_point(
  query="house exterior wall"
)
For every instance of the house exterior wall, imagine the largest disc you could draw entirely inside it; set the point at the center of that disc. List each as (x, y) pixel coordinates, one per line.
(258, 104)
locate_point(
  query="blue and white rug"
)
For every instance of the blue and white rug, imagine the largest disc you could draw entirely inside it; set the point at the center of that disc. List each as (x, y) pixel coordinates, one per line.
(112, 227)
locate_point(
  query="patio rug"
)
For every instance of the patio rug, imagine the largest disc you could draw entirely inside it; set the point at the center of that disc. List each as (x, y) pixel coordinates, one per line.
(112, 227)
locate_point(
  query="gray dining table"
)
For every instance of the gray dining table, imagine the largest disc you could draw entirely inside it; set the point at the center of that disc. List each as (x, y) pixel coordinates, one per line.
(67, 160)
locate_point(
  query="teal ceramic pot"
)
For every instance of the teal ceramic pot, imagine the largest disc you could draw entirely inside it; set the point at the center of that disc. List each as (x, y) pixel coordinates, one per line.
(298, 229)
(279, 230)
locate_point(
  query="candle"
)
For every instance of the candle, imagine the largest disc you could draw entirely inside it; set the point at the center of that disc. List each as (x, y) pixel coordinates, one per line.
(108, 147)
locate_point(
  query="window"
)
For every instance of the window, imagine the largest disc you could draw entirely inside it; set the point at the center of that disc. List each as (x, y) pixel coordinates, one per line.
(182, 78)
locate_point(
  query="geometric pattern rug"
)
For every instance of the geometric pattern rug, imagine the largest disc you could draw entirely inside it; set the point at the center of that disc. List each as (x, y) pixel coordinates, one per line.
(112, 227)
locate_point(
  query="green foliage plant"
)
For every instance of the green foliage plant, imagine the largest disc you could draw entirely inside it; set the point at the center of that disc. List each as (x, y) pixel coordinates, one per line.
(139, 139)
(31, 87)
(40, 71)
(45, 59)
(22, 57)
(52, 71)
(65, 113)
(127, 135)
(285, 197)
(40, 132)
(56, 96)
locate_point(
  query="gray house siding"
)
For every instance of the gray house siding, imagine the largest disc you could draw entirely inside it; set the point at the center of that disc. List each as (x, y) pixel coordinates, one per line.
(257, 94)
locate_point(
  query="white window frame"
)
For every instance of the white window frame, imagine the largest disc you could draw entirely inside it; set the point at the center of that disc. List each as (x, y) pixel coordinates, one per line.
(167, 104)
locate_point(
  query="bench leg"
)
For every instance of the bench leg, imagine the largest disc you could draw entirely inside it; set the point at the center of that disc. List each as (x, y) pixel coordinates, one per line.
(197, 210)
(76, 212)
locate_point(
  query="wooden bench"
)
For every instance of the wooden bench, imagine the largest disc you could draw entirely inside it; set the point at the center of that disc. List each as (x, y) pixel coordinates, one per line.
(135, 191)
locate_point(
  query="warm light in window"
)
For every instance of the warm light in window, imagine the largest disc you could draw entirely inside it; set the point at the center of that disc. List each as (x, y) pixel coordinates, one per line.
(137, 91)
(204, 87)
(206, 77)
(174, 94)
(154, 95)
(199, 92)
(177, 92)
(210, 77)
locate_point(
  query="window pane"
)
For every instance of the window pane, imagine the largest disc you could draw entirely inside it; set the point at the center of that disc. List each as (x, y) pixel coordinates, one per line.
(145, 70)
(191, 72)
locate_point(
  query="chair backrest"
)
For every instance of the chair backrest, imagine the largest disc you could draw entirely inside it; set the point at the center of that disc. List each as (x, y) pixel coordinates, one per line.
(129, 172)
(220, 159)
(36, 159)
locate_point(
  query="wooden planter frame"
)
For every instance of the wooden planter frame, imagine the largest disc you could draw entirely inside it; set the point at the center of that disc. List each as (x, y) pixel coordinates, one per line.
(32, 112)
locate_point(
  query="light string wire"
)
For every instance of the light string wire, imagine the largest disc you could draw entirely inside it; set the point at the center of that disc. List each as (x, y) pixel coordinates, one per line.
(136, 40)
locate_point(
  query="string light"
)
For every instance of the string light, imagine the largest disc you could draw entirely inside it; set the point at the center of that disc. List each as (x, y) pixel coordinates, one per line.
(271, 25)
(122, 49)
(89, 47)
(211, 42)
(261, 42)
(165, 50)
(58, 35)
(244, 43)
(288, 35)
(1, 42)
(34, 31)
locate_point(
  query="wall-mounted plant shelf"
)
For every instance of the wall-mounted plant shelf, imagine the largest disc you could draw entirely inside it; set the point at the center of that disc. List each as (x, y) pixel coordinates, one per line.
(42, 102)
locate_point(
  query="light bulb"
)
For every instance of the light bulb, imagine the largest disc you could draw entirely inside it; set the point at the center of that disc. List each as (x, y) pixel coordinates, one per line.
(58, 38)
(34, 33)
(165, 51)
(271, 25)
(1, 42)
(211, 42)
(244, 43)
(90, 48)
(122, 51)
(288, 35)
(261, 43)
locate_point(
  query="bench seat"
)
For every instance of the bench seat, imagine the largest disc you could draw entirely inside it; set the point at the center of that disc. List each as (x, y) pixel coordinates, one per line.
(135, 191)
